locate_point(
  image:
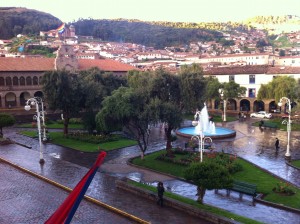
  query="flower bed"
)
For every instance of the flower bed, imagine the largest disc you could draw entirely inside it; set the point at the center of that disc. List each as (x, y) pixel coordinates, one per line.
(97, 139)
(284, 189)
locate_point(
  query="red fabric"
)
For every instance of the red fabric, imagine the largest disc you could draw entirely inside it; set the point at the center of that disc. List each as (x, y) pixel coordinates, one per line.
(60, 215)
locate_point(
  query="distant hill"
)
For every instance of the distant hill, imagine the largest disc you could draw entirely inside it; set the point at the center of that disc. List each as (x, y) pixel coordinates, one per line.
(149, 34)
(159, 34)
(14, 21)
(275, 24)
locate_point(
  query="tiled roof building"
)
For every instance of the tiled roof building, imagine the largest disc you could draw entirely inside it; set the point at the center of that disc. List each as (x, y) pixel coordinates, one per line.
(20, 77)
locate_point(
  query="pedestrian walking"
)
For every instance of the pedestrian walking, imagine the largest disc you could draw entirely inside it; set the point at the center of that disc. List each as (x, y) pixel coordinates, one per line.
(277, 144)
(160, 193)
(261, 123)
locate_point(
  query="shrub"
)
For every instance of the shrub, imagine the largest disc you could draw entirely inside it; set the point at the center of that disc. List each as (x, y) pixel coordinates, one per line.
(283, 188)
(96, 139)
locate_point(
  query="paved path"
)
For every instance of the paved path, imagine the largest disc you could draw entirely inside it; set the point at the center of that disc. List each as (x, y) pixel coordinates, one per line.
(69, 174)
(67, 167)
(26, 199)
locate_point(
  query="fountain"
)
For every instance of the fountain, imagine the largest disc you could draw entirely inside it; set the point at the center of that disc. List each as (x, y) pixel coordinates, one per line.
(208, 128)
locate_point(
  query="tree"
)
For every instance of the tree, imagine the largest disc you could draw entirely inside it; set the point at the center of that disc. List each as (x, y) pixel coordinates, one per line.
(6, 120)
(126, 107)
(208, 175)
(212, 88)
(96, 85)
(166, 107)
(279, 87)
(63, 92)
(231, 90)
(172, 95)
(192, 86)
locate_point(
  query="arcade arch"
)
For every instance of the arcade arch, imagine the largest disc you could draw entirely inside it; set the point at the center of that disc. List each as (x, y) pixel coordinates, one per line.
(258, 105)
(245, 105)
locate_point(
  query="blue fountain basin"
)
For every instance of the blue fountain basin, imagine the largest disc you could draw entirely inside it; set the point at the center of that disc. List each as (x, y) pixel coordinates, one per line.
(220, 133)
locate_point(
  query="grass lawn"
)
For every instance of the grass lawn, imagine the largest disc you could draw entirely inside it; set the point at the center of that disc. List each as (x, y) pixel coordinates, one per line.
(193, 203)
(53, 126)
(278, 122)
(296, 163)
(265, 182)
(58, 138)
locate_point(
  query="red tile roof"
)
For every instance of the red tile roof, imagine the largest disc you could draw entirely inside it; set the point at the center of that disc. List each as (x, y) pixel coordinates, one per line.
(47, 64)
(107, 65)
(26, 64)
(252, 69)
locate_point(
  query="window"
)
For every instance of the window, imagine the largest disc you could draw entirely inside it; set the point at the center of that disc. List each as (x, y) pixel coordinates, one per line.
(35, 80)
(252, 79)
(251, 93)
(22, 81)
(8, 81)
(15, 81)
(28, 81)
(1, 81)
(231, 78)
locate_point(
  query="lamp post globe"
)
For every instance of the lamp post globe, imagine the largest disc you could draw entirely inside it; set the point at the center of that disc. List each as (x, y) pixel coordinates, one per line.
(27, 107)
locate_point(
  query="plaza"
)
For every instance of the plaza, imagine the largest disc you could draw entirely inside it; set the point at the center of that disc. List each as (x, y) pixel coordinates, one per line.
(66, 166)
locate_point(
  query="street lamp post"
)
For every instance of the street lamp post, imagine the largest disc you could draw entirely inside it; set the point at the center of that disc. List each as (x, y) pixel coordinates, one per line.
(200, 137)
(221, 91)
(40, 115)
(288, 127)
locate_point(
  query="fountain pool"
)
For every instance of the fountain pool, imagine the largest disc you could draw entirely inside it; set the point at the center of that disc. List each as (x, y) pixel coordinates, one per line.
(205, 127)
(220, 132)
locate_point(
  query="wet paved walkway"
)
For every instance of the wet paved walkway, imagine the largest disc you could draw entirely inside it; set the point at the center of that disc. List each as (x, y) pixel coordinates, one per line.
(67, 167)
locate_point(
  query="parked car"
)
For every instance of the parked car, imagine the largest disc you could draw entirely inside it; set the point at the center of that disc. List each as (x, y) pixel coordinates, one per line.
(261, 114)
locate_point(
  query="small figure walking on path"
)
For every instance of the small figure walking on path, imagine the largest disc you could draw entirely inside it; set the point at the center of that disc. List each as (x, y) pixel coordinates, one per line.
(160, 193)
(261, 123)
(277, 144)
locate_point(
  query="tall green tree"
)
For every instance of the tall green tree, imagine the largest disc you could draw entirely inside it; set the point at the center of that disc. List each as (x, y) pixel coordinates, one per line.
(63, 92)
(279, 87)
(172, 95)
(96, 85)
(212, 88)
(126, 107)
(166, 106)
(6, 120)
(192, 86)
(231, 90)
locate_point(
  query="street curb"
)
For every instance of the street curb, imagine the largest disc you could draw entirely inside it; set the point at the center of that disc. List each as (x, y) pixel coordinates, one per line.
(88, 198)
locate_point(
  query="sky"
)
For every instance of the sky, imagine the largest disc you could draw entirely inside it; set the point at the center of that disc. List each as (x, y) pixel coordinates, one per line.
(160, 10)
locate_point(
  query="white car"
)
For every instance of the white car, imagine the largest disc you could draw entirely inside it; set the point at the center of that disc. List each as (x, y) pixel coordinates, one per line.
(261, 114)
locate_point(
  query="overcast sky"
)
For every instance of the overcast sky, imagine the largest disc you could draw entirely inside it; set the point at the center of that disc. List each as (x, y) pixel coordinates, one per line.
(160, 10)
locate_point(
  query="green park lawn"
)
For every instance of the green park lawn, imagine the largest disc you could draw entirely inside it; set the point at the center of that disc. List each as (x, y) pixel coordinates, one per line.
(278, 122)
(265, 182)
(54, 125)
(296, 163)
(59, 139)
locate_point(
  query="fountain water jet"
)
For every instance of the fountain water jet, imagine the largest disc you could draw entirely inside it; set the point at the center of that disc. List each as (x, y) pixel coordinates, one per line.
(207, 127)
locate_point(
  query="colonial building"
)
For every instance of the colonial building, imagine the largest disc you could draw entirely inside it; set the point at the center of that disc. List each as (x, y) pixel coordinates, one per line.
(250, 77)
(20, 78)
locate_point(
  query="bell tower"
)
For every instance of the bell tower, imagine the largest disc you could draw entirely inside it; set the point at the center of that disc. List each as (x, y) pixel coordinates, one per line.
(66, 59)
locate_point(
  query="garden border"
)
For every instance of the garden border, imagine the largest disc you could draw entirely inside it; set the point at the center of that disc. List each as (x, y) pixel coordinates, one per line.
(255, 199)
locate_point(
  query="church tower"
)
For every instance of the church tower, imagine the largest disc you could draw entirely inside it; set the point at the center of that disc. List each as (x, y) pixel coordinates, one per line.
(72, 31)
(66, 59)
